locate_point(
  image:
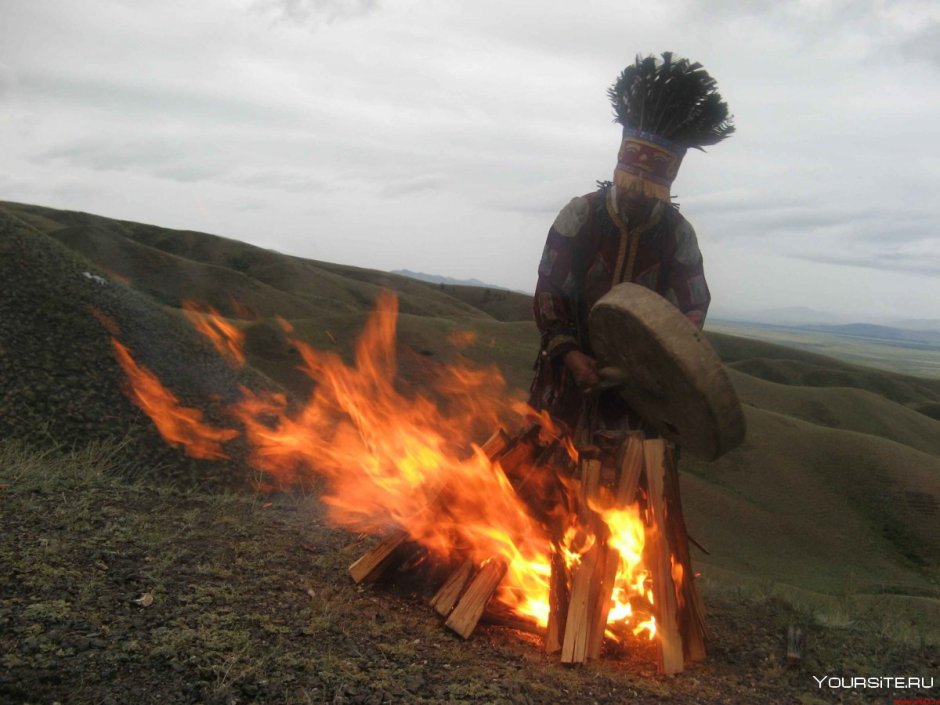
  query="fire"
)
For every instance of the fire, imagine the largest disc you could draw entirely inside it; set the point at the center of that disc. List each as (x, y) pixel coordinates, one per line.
(285, 325)
(462, 338)
(392, 459)
(179, 425)
(226, 338)
(677, 575)
(628, 536)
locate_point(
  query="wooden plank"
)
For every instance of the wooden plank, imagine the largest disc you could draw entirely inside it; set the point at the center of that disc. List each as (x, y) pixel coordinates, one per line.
(376, 561)
(466, 615)
(449, 594)
(629, 471)
(557, 604)
(608, 564)
(500, 616)
(631, 468)
(580, 608)
(495, 444)
(520, 453)
(371, 566)
(691, 616)
(586, 577)
(664, 592)
(590, 479)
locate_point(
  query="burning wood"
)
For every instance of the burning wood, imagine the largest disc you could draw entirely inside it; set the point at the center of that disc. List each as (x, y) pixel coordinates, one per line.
(376, 561)
(469, 609)
(664, 588)
(603, 553)
(558, 602)
(498, 616)
(691, 613)
(387, 554)
(585, 592)
(446, 598)
(589, 589)
(586, 577)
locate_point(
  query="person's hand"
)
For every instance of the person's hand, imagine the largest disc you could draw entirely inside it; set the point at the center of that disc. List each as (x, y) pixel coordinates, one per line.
(583, 368)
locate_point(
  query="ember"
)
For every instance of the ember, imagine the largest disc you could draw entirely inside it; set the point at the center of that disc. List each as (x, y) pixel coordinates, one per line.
(578, 544)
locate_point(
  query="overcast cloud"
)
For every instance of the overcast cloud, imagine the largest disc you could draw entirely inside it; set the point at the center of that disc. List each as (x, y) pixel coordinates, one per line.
(444, 136)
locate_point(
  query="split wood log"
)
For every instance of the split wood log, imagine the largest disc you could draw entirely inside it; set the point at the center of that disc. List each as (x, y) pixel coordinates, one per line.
(466, 615)
(630, 468)
(691, 611)
(515, 455)
(590, 479)
(581, 607)
(499, 445)
(587, 576)
(375, 562)
(499, 616)
(558, 599)
(608, 563)
(670, 659)
(447, 597)
(517, 452)
(496, 444)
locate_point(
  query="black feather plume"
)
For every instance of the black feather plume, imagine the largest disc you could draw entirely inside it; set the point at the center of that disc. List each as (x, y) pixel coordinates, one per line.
(674, 99)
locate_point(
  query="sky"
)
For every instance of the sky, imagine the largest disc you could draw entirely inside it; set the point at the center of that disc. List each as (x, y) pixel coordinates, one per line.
(444, 136)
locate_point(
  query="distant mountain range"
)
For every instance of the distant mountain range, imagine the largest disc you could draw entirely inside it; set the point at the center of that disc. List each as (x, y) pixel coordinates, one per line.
(883, 333)
(805, 317)
(786, 316)
(438, 279)
(920, 331)
(931, 324)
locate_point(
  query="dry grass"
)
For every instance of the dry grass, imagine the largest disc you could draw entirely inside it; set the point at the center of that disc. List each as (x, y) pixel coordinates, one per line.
(251, 603)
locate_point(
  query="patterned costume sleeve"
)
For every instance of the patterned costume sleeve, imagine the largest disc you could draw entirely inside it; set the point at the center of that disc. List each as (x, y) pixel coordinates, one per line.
(554, 305)
(685, 275)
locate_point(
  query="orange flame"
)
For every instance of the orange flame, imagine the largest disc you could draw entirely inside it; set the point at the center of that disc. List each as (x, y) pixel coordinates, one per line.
(628, 536)
(285, 325)
(395, 460)
(392, 459)
(108, 323)
(649, 625)
(462, 338)
(677, 576)
(179, 425)
(226, 338)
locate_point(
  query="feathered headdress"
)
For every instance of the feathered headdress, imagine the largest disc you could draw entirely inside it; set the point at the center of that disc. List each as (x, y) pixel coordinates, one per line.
(665, 107)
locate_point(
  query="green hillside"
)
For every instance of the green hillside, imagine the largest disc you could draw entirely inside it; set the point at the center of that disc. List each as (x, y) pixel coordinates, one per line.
(800, 404)
(834, 498)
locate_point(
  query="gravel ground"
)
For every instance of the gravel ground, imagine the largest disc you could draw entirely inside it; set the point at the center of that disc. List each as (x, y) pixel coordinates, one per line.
(117, 592)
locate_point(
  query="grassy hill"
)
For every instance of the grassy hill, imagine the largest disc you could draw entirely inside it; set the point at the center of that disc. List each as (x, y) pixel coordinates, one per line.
(832, 501)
